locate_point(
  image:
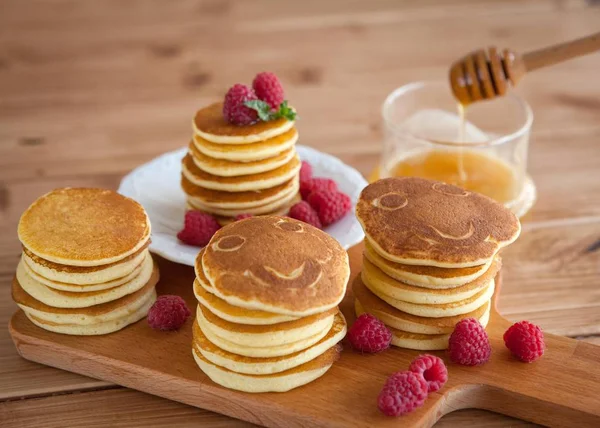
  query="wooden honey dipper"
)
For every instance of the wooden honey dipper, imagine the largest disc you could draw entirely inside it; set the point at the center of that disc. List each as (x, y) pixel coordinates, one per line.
(483, 75)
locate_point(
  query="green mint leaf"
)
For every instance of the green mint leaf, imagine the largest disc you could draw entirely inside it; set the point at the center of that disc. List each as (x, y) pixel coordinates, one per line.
(262, 108)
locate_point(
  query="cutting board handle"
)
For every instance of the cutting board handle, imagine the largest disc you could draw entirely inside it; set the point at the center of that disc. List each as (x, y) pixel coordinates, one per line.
(558, 389)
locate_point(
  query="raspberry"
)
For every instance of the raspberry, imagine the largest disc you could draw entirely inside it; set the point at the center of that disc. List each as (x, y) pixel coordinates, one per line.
(525, 341)
(304, 212)
(234, 110)
(242, 216)
(402, 393)
(432, 369)
(315, 185)
(469, 344)
(199, 227)
(168, 313)
(305, 171)
(268, 88)
(330, 205)
(368, 334)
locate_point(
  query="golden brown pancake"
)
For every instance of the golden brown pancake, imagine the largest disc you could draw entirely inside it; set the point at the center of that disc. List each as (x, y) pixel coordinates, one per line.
(227, 168)
(84, 227)
(277, 265)
(405, 321)
(237, 199)
(424, 222)
(250, 151)
(210, 120)
(22, 298)
(424, 276)
(372, 276)
(263, 180)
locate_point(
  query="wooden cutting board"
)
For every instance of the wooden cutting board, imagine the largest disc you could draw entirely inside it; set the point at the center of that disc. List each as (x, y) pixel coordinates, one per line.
(561, 389)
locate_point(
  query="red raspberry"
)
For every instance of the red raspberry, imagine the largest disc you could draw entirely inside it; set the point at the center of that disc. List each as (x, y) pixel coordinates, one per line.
(242, 216)
(432, 369)
(234, 110)
(305, 171)
(315, 185)
(525, 341)
(402, 393)
(369, 334)
(268, 88)
(330, 205)
(199, 227)
(469, 344)
(168, 313)
(304, 212)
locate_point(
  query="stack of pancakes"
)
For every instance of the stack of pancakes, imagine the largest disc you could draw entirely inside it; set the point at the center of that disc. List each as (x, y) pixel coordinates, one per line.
(231, 170)
(267, 317)
(430, 259)
(85, 267)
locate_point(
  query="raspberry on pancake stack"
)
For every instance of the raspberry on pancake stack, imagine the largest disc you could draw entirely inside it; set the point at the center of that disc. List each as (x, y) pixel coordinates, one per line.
(240, 162)
(267, 317)
(430, 259)
(85, 267)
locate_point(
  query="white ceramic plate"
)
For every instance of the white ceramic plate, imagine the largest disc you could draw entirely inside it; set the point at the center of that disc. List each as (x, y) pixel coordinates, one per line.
(156, 185)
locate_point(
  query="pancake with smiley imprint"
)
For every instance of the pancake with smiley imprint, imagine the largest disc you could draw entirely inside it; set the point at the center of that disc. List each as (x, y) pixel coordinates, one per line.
(210, 125)
(227, 168)
(276, 264)
(247, 152)
(417, 221)
(424, 276)
(373, 277)
(84, 227)
(404, 321)
(263, 180)
(261, 366)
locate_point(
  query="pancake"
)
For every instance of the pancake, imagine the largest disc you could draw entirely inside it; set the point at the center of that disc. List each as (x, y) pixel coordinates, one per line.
(424, 276)
(248, 152)
(104, 312)
(204, 294)
(236, 200)
(95, 277)
(84, 227)
(262, 366)
(263, 336)
(66, 299)
(281, 211)
(438, 310)
(258, 210)
(210, 124)
(373, 277)
(404, 321)
(244, 183)
(255, 351)
(80, 288)
(424, 222)
(304, 274)
(94, 329)
(226, 168)
(277, 382)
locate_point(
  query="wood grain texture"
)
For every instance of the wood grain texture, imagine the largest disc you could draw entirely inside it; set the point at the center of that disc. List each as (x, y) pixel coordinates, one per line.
(89, 90)
(546, 392)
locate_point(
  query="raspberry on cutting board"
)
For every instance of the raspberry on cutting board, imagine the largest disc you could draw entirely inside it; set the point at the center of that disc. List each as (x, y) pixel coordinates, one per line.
(369, 334)
(168, 313)
(525, 341)
(432, 369)
(469, 344)
(402, 393)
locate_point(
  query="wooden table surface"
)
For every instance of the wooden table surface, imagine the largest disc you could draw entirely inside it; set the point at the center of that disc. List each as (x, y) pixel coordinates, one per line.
(89, 90)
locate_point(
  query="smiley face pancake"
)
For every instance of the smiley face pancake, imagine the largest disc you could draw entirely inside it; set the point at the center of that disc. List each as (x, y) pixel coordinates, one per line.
(276, 264)
(416, 221)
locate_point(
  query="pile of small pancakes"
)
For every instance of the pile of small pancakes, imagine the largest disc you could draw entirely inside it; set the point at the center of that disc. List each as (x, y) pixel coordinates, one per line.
(430, 259)
(85, 267)
(231, 170)
(267, 316)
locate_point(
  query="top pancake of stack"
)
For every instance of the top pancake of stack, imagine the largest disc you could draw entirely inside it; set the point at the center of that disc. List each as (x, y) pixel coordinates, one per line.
(232, 169)
(277, 265)
(414, 221)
